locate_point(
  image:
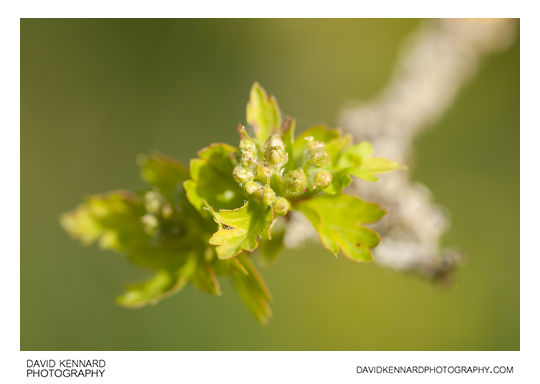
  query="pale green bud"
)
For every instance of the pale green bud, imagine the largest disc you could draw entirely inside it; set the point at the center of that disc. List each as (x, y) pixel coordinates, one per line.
(251, 187)
(274, 141)
(263, 172)
(248, 152)
(248, 158)
(281, 206)
(323, 179)
(316, 150)
(274, 151)
(247, 144)
(320, 158)
(150, 223)
(166, 211)
(296, 181)
(314, 145)
(241, 174)
(268, 196)
(276, 156)
(153, 201)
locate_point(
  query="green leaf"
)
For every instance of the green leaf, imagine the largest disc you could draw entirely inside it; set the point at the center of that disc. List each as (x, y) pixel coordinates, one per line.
(204, 278)
(336, 147)
(357, 161)
(163, 172)
(338, 220)
(239, 229)
(340, 181)
(262, 113)
(113, 218)
(162, 285)
(319, 133)
(289, 126)
(212, 180)
(252, 290)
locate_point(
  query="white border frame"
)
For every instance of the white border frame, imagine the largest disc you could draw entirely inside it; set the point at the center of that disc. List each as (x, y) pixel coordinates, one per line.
(264, 367)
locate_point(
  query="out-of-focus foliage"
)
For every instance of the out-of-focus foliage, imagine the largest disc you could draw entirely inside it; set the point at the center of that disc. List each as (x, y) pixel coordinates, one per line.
(168, 227)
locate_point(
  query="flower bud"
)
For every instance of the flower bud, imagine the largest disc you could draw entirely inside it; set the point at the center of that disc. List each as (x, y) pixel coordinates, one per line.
(268, 196)
(153, 201)
(247, 144)
(274, 151)
(320, 158)
(263, 172)
(241, 174)
(167, 211)
(248, 152)
(276, 156)
(296, 181)
(314, 145)
(316, 150)
(274, 141)
(150, 223)
(323, 179)
(251, 187)
(281, 206)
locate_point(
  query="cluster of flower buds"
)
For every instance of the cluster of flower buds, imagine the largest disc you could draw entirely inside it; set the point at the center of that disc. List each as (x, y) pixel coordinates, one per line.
(260, 169)
(256, 169)
(157, 208)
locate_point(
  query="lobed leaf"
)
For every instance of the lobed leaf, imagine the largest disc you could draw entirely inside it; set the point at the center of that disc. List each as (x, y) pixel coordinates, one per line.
(211, 179)
(239, 229)
(289, 127)
(163, 172)
(163, 284)
(204, 278)
(262, 113)
(338, 219)
(357, 160)
(252, 290)
(112, 218)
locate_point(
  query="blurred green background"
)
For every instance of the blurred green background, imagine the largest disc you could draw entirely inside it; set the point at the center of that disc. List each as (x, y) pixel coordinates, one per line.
(94, 94)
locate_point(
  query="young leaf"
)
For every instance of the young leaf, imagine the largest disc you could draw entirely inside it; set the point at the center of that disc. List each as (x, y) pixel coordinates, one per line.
(160, 286)
(289, 127)
(163, 172)
(338, 220)
(112, 218)
(340, 181)
(262, 113)
(252, 290)
(205, 280)
(163, 284)
(357, 161)
(212, 181)
(240, 229)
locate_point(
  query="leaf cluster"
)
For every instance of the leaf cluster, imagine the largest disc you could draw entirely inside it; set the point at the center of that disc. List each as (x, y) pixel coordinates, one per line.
(193, 225)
